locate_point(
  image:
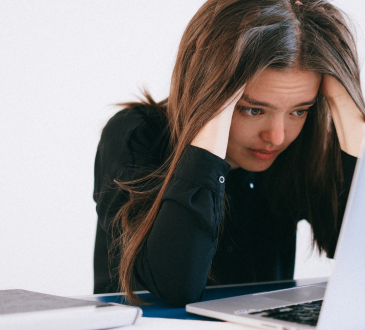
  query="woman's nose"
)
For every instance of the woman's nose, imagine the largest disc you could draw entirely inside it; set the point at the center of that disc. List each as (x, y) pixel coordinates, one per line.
(274, 132)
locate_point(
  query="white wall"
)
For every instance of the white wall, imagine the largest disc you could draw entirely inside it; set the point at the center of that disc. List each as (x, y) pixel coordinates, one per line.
(63, 65)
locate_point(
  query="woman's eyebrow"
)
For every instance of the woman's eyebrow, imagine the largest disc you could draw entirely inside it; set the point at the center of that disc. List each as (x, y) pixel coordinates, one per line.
(268, 105)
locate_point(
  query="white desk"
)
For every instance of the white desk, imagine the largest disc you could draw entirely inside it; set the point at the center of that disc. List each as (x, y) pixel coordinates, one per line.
(153, 323)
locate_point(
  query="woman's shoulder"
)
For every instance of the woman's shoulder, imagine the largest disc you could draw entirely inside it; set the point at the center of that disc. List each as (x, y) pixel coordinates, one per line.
(130, 119)
(141, 130)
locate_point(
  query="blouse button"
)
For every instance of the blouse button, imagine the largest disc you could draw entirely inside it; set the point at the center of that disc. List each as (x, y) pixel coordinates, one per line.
(221, 179)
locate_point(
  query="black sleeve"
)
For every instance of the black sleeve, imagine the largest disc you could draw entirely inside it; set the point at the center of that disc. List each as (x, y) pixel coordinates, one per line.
(175, 260)
(348, 166)
(174, 263)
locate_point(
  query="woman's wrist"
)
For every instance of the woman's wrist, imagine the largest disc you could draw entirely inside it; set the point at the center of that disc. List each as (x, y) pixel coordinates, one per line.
(213, 137)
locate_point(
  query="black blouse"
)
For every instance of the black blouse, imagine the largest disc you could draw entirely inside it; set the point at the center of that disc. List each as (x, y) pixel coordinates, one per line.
(185, 242)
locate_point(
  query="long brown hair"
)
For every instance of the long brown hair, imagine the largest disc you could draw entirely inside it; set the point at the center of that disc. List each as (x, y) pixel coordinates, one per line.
(227, 43)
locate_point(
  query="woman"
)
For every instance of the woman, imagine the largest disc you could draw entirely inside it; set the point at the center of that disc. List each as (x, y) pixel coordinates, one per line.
(265, 109)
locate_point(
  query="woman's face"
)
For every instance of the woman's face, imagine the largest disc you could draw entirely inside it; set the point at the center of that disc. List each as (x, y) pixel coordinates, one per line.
(269, 116)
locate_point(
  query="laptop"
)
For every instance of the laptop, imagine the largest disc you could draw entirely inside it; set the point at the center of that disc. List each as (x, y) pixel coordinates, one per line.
(340, 304)
(28, 310)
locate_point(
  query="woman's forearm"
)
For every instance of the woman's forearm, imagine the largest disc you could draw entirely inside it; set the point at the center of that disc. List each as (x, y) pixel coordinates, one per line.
(213, 137)
(349, 123)
(348, 120)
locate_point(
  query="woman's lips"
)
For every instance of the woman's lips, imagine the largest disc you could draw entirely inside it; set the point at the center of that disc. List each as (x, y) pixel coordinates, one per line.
(263, 154)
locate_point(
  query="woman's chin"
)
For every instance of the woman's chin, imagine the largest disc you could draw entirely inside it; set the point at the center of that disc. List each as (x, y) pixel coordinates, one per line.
(255, 165)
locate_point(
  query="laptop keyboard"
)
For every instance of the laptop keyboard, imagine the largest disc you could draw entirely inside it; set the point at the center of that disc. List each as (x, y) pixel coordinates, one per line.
(306, 313)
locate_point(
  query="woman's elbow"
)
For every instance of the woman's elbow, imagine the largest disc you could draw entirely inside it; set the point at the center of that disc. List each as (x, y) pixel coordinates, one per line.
(180, 297)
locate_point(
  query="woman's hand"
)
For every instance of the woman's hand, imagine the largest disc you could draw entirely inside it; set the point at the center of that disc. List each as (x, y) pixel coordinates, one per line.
(214, 135)
(348, 120)
(331, 88)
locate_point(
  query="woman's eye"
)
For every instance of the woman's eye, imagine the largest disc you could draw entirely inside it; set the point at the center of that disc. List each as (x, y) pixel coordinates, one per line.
(251, 111)
(299, 113)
